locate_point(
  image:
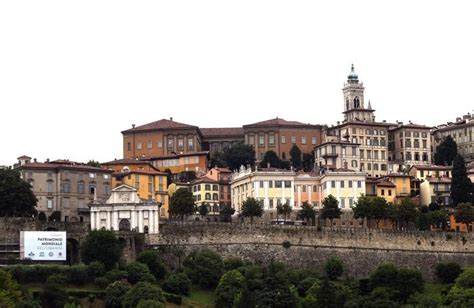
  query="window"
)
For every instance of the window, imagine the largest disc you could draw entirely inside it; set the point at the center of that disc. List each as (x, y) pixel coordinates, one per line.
(139, 146)
(369, 154)
(278, 184)
(376, 154)
(416, 143)
(354, 164)
(107, 189)
(359, 184)
(50, 186)
(170, 144)
(261, 141)
(180, 144)
(424, 144)
(333, 149)
(160, 144)
(383, 192)
(66, 203)
(271, 140)
(283, 155)
(283, 139)
(383, 167)
(423, 135)
(208, 196)
(333, 184)
(313, 140)
(91, 189)
(215, 187)
(261, 184)
(270, 203)
(150, 145)
(80, 188)
(382, 141)
(129, 146)
(106, 176)
(49, 203)
(287, 184)
(350, 184)
(190, 144)
(303, 140)
(207, 187)
(314, 188)
(293, 139)
(351, 202)
(215, 197)
(361, 153)
(342, 184)
(382, 154)
(150, 187)
(343, 203)
(389, 192)
(270, 184)
(304, 188)
(67, 187)
(92, 175)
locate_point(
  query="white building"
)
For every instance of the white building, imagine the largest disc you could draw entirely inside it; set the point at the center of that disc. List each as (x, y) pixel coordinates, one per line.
(345, 185)
(125, 211)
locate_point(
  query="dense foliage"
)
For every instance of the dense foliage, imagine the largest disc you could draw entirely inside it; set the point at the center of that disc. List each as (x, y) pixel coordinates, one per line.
(182, 203)
(330, 209)
(153, 260)
(16, 195)
(204, 267)
(446, 151)
(177, 283)
(252, 207)
(102, 246)
(461, 186)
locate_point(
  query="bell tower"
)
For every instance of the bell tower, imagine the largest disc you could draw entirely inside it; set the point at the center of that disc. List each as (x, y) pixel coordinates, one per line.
(354, 105)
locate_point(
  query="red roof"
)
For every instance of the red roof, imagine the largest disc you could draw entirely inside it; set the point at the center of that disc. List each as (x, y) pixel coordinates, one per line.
(163, 124)
(126, 161)
(431, 167)
(385, 183)
(204, 179)
(438, 180)
(223, 132)
(280, 122)
(63, 166)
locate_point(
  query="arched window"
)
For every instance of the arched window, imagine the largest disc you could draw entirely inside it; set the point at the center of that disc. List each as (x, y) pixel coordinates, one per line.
(356, 102)
(124, 224)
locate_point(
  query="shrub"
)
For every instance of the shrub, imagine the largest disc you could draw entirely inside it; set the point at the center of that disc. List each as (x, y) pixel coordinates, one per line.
(115, 293)
(333, 268)
(204, 267)
(59, 279)
(141, 291)
(95, 269)
(138, 272)
(52, 297)
(177, 284)
(447, 272)
(116, 275)
(286, 244)
(150, 303)
(230, 285)
(152, 259)
(77, 274)
(101, 282)
(305, 284)
(466, 278)
(232, 263)
(34, 273)
(173, 298)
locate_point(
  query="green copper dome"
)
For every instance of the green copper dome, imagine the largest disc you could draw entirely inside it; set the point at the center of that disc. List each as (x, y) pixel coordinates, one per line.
(352, 75)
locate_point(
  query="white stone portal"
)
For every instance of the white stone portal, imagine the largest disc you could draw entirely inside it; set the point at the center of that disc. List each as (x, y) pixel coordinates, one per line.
(125, 211)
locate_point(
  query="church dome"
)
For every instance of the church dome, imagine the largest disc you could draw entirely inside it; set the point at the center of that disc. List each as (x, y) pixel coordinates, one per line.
(352, 75)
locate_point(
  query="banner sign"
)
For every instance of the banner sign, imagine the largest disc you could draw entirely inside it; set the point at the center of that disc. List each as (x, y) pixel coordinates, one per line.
(43, 245)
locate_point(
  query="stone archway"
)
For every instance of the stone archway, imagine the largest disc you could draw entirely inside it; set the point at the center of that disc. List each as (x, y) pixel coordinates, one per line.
(42, 216)
(124, 225)
(72, 249)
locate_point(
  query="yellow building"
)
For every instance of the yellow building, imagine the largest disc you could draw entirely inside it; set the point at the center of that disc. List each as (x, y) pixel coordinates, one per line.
(206, 191)
(151, 185)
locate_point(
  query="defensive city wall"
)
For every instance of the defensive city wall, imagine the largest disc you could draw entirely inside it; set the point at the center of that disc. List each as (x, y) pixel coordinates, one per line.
(304, 246)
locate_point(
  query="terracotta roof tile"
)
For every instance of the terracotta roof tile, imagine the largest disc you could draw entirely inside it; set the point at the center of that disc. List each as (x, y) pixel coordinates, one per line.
(279, 122)
(163, 124)
(126, 161)
(60, 166)
(222, 132)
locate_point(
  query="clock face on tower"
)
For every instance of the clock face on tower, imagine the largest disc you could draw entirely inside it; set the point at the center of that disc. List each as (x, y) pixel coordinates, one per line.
(124, 197)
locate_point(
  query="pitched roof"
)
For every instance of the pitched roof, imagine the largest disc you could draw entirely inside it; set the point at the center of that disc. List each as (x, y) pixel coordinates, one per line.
(409, 125)
(385, 183)
(431, 167)
(438, 179)
(126, 161)
(222, 132)
(204, 179)
(175, 156)
(162, 124)
(144, 172)
(63, 166)
(279, 122)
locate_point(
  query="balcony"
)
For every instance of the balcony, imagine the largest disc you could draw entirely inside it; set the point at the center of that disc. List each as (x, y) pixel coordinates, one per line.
(441, 190)
(330, 155)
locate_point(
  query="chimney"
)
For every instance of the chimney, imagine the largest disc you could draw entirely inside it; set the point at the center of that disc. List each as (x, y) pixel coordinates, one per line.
(133, 125)
(171, 118)
(34, 159)
(47, 160)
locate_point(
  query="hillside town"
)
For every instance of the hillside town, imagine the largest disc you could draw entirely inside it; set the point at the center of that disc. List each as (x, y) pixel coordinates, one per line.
(287, 167)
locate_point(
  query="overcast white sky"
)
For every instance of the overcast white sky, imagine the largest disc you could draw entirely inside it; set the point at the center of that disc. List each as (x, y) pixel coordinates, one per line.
(73, 74)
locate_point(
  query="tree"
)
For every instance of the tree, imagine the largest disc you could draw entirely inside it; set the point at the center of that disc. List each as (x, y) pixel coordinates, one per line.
(461, 186)
(182, 203)
(464, 213)
(94, 163)
(102, 246)
(307, 212)
(226, 212)
(239, 155)
(139, 272)
(330, 209)
(295, 157)
(115, 292)
(447, 272)
(446, 151)
(333, 268)
(153, 260)
(169, 176)
(466, 279)
(203, 209)
(204, 267)
(271, 158)
(10, 291)
(187, 176)
(308, 161)
(406, 211)
(284, 209)
(177, 283)
(16, 196)
(252, 207)
(230, 286)
(142, 291)
(438, 218)
(53, 296)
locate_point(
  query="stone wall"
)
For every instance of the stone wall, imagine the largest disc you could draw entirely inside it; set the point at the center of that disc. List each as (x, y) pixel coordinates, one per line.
(360, 249)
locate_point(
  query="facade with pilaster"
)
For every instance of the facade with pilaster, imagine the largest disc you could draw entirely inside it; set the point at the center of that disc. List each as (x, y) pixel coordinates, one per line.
(125, 211)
